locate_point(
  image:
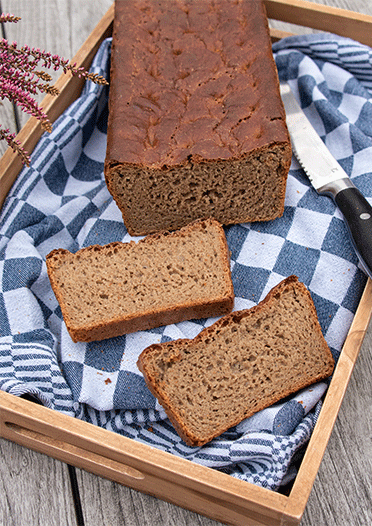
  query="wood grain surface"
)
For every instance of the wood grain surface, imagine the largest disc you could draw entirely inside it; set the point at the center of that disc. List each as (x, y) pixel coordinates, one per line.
(37, 490)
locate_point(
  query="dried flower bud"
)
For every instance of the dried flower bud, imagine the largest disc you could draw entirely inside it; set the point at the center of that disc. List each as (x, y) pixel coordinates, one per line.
(9, 18)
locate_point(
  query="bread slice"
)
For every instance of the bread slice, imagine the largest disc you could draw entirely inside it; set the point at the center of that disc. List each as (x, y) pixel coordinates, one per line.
(241, 364)
(196, 125)
(106, 291)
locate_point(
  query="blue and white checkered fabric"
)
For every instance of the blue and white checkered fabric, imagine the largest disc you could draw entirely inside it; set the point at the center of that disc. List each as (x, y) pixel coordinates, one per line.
(62, 201)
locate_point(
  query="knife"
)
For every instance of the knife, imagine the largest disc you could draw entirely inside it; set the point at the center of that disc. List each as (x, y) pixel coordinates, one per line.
(329, 178)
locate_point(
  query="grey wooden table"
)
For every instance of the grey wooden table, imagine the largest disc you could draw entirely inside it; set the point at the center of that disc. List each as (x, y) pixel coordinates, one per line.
(38, 490)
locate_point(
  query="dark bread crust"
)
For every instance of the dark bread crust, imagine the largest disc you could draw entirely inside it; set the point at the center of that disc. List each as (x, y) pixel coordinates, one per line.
(218, 304)
(172, 352)
(195, 115)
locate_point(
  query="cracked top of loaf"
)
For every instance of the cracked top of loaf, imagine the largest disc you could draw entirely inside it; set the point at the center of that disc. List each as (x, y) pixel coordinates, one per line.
(191, 80)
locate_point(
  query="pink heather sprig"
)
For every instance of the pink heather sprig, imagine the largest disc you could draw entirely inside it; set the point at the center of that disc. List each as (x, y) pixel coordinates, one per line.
(21, 78)
(24, 100)
(16, 146)
(28, 82)
(56, 62)
(7, 17)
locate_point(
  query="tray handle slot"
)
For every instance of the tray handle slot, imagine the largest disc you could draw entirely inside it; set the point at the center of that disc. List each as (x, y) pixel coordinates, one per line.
(86, 459)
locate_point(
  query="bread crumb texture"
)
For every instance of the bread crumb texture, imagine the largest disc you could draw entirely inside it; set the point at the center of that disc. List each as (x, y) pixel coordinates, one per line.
(243, 363)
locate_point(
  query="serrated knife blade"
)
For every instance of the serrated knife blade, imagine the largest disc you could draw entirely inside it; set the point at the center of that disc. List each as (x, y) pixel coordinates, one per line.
(329, 178)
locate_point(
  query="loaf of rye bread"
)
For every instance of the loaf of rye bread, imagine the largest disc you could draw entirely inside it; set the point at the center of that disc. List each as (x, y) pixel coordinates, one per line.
(196, 125)
(165, 278)
(241, 364)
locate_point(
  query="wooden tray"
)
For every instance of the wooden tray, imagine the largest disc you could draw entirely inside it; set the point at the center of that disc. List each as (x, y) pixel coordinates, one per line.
(139, 466)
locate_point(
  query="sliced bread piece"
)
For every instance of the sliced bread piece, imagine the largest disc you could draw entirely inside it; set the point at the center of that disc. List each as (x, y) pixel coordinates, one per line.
(241, 364)
(165, 278)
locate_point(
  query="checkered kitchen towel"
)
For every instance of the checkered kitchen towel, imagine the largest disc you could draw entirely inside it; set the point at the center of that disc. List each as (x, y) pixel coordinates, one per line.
(62, 201)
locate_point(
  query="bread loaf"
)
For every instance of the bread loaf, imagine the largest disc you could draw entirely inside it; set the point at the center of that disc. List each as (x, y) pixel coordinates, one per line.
(241, 364)
(106, 291)
(196, 125)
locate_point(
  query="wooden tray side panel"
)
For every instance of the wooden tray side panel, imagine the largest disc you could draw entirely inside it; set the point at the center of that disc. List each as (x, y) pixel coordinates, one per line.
(139, 466)
(324, 18)
(332, 403)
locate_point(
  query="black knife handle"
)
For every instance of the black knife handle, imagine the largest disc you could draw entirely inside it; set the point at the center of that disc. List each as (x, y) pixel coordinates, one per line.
(358, 216)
